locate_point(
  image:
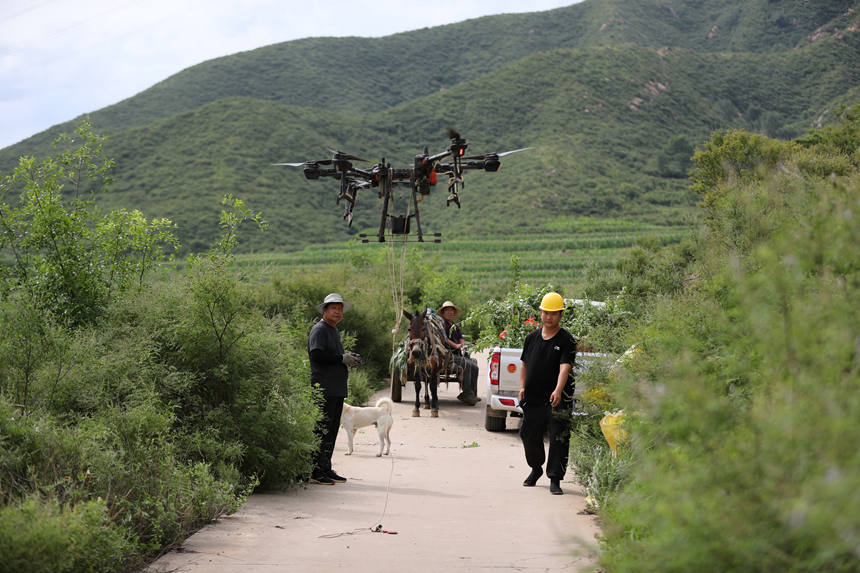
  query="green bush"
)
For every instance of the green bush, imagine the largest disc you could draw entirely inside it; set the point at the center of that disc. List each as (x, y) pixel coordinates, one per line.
(124, 457)
(69, 259)
(675, 159)
(237, 381)
(440, 286)
(601, 473)
(361, 387)
(746, 386)
(129, 417)
(509, 321)
(40, 535)
(369, 321)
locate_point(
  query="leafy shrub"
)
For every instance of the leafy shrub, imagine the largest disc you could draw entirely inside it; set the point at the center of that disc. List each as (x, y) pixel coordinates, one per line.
(41, 535)
(68, 258)
(124, 457)
(238, 382)
(437, 286)
(139, 414)
(361, 387)
(726, 111)
(745, 387)
(780, 20)
(600, 473)
(370, 321)
(508, 322)
(732, 156)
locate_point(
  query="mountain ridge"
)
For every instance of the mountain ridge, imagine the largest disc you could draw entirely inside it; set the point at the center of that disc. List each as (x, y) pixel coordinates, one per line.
(602, 116)
(418, 54)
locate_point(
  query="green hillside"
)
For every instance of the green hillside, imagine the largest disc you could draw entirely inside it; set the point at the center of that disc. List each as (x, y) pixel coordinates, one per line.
(595, 156)
(614, 118)
(558, 253)
(366, 75)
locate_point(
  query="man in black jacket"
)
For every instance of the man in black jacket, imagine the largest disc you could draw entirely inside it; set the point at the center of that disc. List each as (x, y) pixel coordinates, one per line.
(329, 371)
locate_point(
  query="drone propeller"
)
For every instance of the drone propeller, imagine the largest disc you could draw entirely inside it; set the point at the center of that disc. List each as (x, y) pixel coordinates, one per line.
(497, 154)
(303, 163)
(341, 154)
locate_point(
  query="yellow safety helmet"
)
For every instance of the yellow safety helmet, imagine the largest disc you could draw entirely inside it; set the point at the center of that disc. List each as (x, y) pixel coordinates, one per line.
(552, 302)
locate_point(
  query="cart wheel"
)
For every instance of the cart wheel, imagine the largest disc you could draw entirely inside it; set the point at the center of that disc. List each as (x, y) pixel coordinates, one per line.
(396, 386)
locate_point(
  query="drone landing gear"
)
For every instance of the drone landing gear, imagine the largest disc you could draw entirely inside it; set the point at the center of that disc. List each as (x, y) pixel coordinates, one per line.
(393, 227)
(398, 229)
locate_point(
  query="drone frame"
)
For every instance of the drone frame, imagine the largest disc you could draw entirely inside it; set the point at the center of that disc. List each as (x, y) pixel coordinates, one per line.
(418, 179)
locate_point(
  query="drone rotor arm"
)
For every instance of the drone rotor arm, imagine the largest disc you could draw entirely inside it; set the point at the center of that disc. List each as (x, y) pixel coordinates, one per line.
(474, 165)
(439, 156)
(362, 173)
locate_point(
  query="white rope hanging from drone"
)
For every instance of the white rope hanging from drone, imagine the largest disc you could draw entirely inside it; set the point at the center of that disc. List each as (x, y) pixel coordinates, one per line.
(395, 283)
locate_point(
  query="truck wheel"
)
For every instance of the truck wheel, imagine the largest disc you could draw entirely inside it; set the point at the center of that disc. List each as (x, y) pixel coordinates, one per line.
(493, 424)
(396, 386)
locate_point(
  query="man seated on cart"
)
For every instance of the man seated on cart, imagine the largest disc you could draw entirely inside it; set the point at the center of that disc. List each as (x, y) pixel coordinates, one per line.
(469, 395)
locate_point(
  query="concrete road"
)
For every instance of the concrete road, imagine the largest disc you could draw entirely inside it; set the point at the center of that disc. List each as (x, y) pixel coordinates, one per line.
(451, 490)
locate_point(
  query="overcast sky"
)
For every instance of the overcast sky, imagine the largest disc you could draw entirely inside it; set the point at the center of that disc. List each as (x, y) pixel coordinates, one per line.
(63, 58)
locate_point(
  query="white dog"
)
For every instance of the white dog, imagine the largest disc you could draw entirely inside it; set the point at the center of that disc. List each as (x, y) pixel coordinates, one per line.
(380, 416)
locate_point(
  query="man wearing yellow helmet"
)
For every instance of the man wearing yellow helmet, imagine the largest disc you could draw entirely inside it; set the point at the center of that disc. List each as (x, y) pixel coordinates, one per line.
(546, 396)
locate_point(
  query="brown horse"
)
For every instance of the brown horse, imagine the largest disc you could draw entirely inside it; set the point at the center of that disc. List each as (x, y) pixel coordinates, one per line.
(428, 353)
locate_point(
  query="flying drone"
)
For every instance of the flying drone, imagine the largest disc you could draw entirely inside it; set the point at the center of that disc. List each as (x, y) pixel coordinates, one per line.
(418, 179)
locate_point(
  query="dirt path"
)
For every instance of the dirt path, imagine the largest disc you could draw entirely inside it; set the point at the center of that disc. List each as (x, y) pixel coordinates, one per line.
(451, 490)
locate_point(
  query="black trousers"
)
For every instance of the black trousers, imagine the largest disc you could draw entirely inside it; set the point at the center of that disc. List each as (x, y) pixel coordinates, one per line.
(470, 373)
(536, 420)
(326, 429)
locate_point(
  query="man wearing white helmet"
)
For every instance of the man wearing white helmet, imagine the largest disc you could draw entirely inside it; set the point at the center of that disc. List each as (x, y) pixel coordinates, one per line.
(329, 371)
(546, 394)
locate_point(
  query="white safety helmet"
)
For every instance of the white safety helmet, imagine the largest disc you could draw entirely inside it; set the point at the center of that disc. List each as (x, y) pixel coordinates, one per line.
(334, 297)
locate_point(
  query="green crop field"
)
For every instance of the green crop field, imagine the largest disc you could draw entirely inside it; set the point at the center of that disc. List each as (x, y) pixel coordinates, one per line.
(556, 252)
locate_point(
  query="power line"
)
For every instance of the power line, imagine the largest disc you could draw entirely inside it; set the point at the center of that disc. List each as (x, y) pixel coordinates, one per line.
(71, 52)
(25, 10)
(23, 45)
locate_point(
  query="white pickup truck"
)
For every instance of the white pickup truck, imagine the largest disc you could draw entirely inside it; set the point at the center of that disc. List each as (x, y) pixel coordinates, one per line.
(503, 383)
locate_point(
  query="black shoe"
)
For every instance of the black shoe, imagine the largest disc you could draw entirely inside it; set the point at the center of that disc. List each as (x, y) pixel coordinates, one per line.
(533, 477)
(321, 479)
(332, 475)
(462, 397)
(555, 487)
